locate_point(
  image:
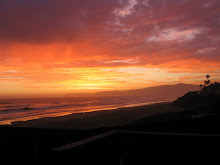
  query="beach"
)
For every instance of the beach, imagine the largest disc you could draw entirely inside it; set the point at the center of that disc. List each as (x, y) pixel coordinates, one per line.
(102, 118)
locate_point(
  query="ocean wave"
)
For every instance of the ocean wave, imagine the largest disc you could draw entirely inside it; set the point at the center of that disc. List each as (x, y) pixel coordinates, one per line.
(44, 108)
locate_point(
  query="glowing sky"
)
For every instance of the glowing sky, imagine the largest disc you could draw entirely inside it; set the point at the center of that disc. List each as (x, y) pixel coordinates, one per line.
(66, 46)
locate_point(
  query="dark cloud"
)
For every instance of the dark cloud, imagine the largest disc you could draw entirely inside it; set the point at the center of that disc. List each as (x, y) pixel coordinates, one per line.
(54, 20)
(152, 29)
(173, 26)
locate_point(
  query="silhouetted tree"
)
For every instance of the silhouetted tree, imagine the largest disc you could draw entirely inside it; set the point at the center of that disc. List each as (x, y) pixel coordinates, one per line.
(206, 82)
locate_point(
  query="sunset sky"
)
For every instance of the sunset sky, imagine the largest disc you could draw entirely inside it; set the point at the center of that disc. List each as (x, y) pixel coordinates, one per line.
(56, 47)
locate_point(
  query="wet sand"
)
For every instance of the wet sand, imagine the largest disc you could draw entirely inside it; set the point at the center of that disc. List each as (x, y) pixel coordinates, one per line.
(102, 118)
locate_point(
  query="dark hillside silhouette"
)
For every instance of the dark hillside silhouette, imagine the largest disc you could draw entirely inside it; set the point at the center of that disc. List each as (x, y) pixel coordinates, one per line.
(206, 100)
(172, 91)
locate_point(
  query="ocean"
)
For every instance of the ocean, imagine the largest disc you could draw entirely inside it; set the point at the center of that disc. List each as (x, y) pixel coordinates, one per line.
(13, 109)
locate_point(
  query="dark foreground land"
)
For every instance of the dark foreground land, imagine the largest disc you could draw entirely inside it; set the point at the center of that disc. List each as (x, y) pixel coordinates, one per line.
(175, 137)
(185, 131)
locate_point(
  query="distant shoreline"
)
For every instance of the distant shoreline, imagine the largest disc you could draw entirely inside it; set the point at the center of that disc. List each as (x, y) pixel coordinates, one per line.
(58, 114)
(101, 118)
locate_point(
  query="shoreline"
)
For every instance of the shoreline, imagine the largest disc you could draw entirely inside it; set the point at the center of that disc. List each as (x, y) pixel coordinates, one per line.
(9, 122)
(102, 118)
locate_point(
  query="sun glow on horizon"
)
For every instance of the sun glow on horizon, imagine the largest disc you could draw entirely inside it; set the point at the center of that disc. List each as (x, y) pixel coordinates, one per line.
(95, 46)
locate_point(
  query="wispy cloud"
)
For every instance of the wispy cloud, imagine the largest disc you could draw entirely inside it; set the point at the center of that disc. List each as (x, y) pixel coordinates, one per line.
(10, 71)
(173, 34)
